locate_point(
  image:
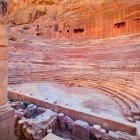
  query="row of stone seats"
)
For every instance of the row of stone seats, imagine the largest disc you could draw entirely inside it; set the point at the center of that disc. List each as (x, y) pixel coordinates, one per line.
(125, 100)
(128, 106)
(129, 102)
(124, 106)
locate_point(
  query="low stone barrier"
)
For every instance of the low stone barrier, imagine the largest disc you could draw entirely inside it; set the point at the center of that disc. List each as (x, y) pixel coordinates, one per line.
(105, 123)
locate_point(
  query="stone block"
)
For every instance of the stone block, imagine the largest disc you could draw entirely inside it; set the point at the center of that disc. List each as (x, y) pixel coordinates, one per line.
(18, 105)
(69, 122)
(40, 110)
(19, 113)
(112, 136)
(80, 130)
(97, 131)
(31, 110)
(62, 121)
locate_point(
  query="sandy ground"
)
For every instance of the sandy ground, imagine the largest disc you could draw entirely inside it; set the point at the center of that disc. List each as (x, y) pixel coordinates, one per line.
(88, 100)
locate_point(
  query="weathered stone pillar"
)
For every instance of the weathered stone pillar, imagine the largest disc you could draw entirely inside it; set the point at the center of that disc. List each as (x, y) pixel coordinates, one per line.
(6, 112)
(3, 68)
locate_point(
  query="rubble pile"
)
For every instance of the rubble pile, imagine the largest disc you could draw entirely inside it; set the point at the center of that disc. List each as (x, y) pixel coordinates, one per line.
(34, 123)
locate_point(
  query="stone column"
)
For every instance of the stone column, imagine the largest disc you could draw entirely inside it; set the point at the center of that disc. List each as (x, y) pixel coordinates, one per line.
(3, 67)
(7, 120)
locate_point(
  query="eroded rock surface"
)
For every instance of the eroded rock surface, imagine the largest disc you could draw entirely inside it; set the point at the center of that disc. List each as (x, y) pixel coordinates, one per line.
(92, 44)
(84, 43)
(80, 130)
(33, 122)
(110, 65)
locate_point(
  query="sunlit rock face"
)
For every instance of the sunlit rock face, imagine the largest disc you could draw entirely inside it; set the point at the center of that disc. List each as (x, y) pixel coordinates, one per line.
(84, 43)
(77, 19)
(111, 65)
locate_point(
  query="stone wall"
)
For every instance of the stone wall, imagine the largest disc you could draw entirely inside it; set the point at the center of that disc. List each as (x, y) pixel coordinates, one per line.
(105, 123)
(76, 20)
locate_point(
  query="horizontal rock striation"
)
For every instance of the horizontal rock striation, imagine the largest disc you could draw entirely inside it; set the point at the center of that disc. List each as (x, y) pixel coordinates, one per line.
(63, 43)
(111, 65)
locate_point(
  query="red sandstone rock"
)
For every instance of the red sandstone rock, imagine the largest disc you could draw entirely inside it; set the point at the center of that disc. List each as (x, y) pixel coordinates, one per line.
(31, 111)
(36, 128)
(62, 121)
(69, 55)
(80, 130)
(69, 122)
(98, 132)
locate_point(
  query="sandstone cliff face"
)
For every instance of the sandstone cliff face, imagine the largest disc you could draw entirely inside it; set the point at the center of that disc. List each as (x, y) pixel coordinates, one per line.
(77, 20)
(21, 12)
(65, 42)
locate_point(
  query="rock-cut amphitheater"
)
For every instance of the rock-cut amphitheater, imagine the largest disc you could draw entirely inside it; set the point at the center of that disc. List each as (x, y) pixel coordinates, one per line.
(69, 69)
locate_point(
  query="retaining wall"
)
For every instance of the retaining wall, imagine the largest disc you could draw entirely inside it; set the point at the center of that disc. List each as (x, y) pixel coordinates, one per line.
(106, 123)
